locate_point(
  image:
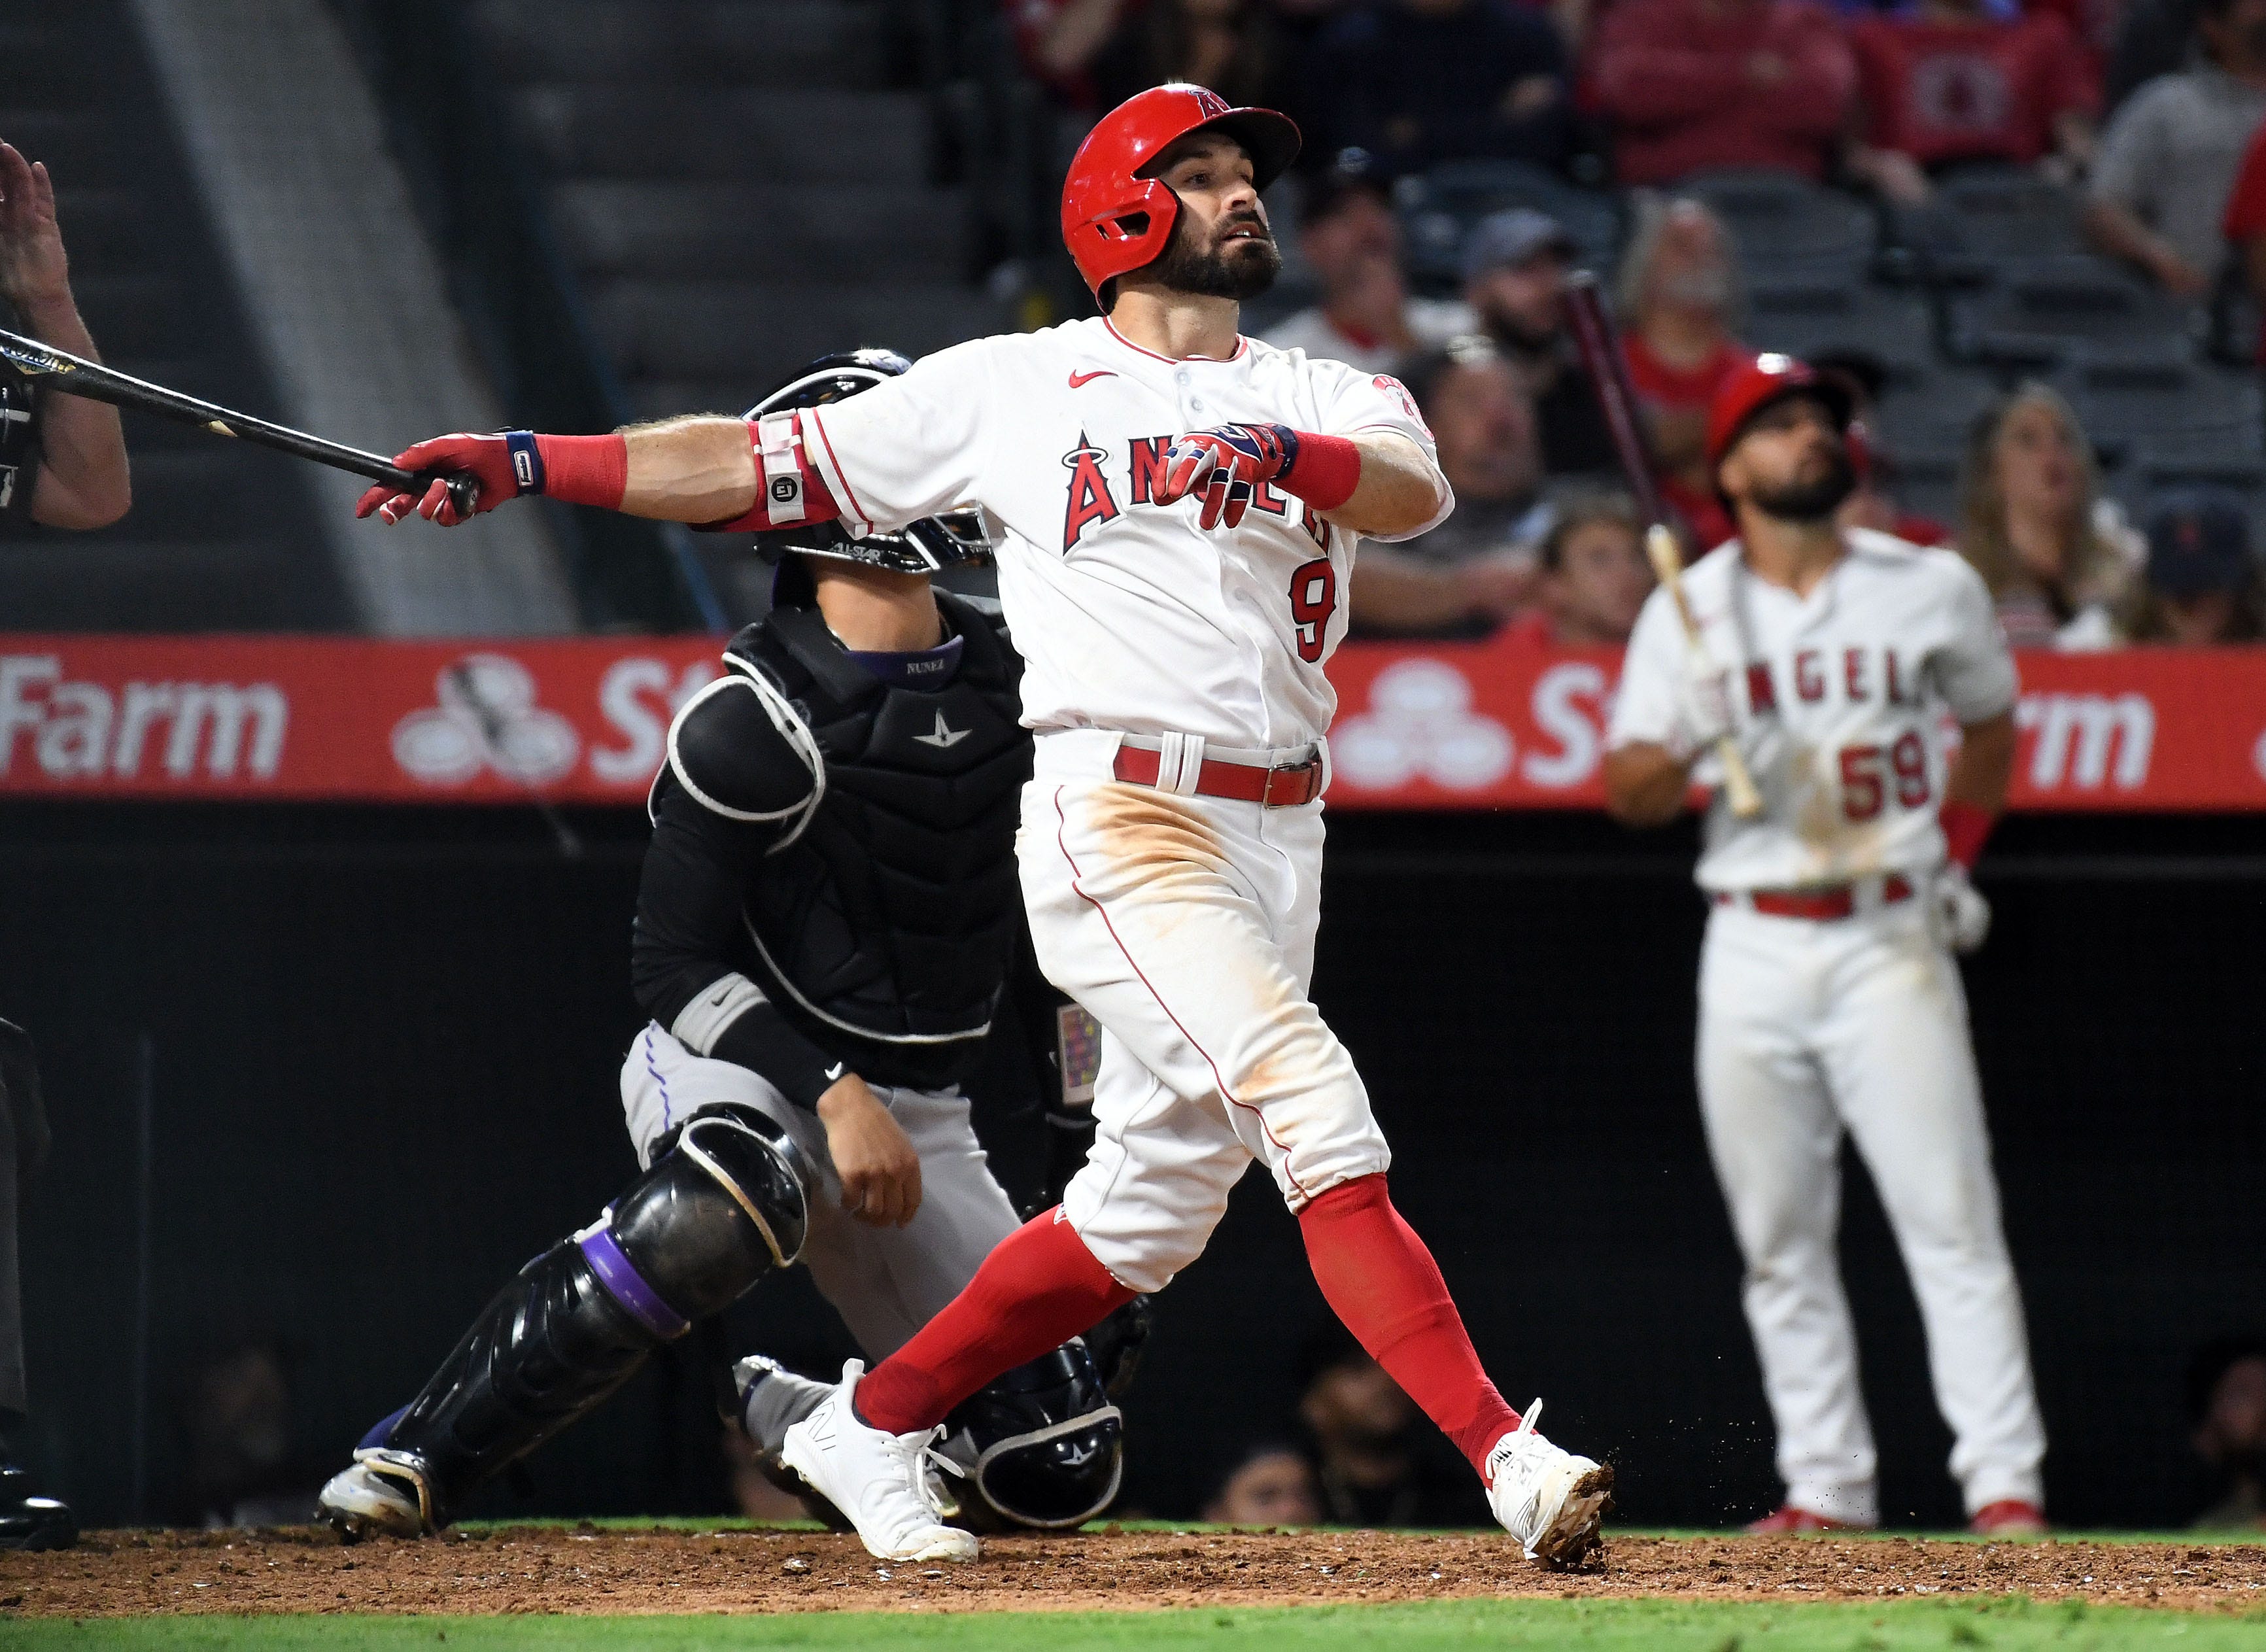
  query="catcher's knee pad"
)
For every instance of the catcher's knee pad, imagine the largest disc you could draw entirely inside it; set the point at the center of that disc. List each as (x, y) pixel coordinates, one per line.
(1043, 1445)
(726, 1202)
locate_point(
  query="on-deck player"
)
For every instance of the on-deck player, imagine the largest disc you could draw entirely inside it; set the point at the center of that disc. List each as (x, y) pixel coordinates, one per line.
(1829, 999)
(1180, 507)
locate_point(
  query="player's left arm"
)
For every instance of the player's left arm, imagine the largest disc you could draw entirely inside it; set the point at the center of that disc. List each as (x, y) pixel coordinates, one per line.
(1974, 672)
(83, 479)
(1396, 491)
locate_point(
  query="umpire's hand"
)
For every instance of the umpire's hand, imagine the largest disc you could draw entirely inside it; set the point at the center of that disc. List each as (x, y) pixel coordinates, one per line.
(880, 1173)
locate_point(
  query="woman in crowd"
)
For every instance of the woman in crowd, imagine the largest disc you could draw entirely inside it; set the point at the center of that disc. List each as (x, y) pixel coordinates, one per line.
(2059, 560)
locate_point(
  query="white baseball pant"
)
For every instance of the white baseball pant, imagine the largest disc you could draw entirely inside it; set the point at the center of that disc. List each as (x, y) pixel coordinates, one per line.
(885, 1283)
(1807, 1029)
(1185, 925)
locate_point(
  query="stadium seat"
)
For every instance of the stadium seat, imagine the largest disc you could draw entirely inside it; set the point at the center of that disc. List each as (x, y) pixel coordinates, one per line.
(2040, 310)
(2163, 405)
(1439, 208)
(1992, 213)
(1930, 408)
(1783, 224)
(1808, 316)
(1926, 484)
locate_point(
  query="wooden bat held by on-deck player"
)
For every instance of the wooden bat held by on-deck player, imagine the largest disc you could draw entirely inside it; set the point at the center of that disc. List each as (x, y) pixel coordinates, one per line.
(74, 375)
(1601, 356)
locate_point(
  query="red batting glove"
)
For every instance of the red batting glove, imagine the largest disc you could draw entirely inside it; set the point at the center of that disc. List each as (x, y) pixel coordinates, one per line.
(1226, 463)
(486, 459)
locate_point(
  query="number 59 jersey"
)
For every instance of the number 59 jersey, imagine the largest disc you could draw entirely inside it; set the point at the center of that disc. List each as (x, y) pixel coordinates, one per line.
(1129, 616)
(1839, 700)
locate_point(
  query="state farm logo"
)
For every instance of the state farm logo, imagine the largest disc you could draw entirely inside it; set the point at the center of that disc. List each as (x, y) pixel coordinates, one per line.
(92, 731)
(2084, 740)
(486, 718)
(1421, 725)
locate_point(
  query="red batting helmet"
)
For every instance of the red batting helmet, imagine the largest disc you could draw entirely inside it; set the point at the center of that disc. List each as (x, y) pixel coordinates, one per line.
(1763, 382)
(1113, 220)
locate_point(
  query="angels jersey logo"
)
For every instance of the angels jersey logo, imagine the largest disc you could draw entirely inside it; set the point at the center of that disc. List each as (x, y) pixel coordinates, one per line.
(1089, 491)
(1397, 393)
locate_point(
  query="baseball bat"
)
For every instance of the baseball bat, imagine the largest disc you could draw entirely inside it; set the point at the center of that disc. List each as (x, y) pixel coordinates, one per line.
(76, 377)
(1601, 355)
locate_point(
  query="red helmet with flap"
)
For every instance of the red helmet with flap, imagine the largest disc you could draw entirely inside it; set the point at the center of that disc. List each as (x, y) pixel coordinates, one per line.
(1113, 220)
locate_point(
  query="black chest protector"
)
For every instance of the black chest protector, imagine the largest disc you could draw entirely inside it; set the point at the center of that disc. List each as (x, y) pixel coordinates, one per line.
(889, 921)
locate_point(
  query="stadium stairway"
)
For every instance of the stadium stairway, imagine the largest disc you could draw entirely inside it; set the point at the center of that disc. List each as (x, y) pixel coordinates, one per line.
(221, 538)
(739, 185)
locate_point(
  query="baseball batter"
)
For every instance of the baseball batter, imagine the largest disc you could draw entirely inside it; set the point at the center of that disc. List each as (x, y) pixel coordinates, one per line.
(1180, 507)
(1829, 999)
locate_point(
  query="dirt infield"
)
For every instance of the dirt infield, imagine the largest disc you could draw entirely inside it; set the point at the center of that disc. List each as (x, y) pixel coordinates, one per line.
(553, 1569)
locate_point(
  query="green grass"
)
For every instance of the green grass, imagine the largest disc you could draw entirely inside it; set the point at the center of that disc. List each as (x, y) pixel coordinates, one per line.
(2009, 1624)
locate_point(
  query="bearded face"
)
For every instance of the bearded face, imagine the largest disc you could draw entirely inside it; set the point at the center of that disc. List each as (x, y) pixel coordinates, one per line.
(1813, 492)
(1233, 258)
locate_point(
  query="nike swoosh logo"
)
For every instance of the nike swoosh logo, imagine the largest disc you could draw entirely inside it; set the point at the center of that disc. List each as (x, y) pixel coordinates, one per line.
(1079, 381)
(835, 1071)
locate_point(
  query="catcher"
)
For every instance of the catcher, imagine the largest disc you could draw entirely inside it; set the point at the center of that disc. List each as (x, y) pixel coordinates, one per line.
(826, 924)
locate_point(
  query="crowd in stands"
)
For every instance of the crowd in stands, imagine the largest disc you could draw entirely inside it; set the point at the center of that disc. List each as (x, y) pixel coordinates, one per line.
(2145, 116)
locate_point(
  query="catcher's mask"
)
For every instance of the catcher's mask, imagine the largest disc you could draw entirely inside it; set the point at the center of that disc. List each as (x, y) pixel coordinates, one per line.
(927, 546)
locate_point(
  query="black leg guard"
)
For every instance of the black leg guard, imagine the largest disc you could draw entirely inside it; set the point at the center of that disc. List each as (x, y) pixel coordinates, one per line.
(722, 1206)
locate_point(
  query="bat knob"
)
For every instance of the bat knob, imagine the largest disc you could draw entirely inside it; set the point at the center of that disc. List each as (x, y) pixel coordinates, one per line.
(463, 493)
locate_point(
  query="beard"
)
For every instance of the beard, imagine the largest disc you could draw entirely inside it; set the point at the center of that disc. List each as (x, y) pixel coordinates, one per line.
(1814, 499)
(1238, 269)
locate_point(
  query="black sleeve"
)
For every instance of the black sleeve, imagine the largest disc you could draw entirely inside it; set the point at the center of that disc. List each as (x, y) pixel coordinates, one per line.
(732, 785)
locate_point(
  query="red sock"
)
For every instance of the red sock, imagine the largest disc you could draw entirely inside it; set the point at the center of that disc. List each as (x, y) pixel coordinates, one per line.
(1038, 1289)
(1379, 1279)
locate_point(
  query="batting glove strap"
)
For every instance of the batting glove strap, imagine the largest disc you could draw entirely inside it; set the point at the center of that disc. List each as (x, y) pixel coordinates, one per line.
(526, 460)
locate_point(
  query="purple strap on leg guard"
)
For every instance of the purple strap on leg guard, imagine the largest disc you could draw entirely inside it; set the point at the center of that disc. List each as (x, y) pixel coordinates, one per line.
(625, 1285)
(383, 1430)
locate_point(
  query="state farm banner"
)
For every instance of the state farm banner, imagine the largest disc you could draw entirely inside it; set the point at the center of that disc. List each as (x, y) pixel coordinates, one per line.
(1503, 724)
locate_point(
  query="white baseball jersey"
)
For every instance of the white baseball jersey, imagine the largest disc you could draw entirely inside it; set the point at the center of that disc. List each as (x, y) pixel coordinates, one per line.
(1839, 699)
(1128, 614)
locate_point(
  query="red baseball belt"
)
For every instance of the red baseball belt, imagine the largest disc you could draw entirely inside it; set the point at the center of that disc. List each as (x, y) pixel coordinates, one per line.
(1280, 785)
(1823, 905)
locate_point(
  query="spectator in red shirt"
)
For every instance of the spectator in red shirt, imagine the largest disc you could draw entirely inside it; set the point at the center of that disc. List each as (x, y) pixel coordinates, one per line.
(1691, 85)
(1947, 82)
(2245, 224)
(1680, 295)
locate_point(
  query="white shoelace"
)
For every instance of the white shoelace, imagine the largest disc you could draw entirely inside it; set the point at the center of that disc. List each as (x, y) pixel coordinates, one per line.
(913, 1452)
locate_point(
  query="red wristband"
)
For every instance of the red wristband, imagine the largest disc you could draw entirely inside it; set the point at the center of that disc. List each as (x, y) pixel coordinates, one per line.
(586, 470)
(1325, 472)
(1965, 826)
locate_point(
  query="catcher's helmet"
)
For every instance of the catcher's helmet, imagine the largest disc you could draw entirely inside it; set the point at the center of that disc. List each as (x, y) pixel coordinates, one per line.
(1113, 220)
(927, 546)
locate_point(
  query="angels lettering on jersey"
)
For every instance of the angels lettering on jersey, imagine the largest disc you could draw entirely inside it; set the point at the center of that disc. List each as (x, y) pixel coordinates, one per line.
(1090, 499)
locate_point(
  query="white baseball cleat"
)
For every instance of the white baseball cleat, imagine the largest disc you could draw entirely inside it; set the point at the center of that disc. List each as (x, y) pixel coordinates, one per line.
(878, 1480)
(380, 1493)
(1550, 1500)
